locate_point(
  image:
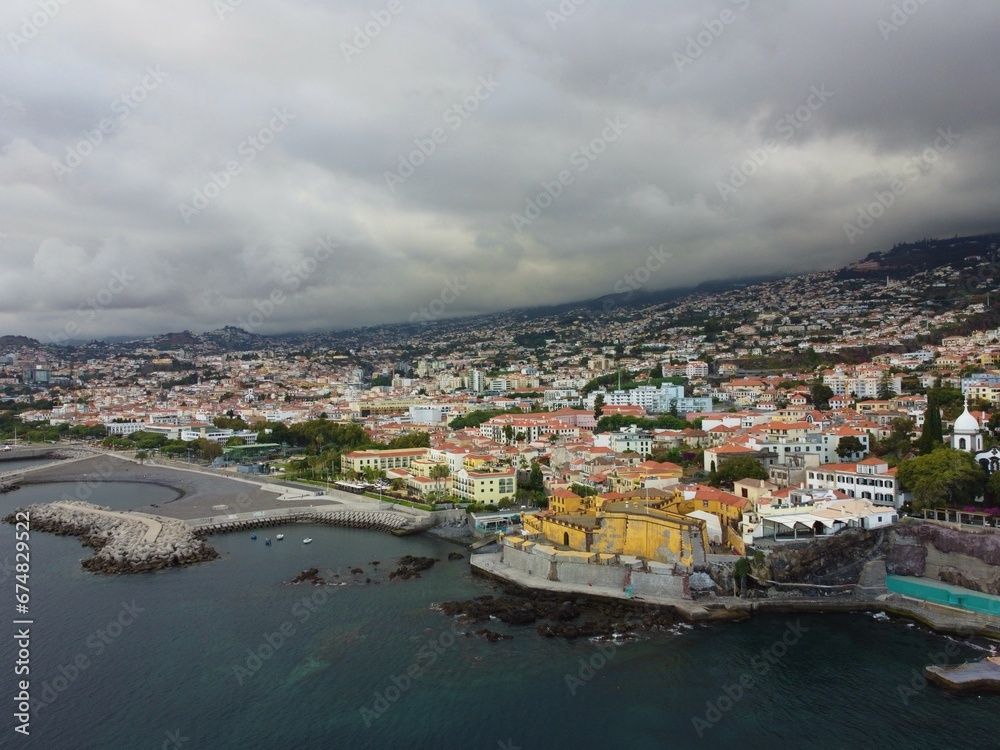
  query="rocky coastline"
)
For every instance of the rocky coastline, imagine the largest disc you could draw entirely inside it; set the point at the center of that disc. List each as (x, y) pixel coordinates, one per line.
(558, 616)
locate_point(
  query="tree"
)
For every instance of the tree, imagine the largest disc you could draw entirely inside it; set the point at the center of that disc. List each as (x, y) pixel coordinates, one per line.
(141, 456)
(821, 395)
(598, 406)
(848, 446)
(736, 468)
(440, 471)
(993, 488)
(932, 436)
(208, 449)
(994, 424)
(535, 478)
(508, 433)
(884, 387)
(941, 478)
(411, 440)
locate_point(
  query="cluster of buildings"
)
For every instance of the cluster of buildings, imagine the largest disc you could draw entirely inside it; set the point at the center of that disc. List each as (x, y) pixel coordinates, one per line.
(537, 375)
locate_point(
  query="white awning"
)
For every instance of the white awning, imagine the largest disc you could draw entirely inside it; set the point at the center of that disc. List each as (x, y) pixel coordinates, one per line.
(807, 520)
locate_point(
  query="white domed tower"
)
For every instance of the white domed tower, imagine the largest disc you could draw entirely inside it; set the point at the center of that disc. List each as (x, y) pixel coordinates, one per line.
(967, 435)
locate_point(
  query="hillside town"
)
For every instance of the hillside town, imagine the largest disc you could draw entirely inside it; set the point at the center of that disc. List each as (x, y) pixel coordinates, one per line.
(552, 423)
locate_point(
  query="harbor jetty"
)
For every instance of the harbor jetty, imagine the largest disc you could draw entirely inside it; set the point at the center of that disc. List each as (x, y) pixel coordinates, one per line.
(399, 524)
(123, 542)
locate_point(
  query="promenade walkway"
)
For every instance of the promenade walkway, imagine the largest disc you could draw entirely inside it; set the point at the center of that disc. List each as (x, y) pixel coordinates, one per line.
(153, 525)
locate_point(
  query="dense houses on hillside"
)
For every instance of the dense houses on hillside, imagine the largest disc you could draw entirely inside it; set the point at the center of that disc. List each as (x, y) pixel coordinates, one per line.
(546, 383)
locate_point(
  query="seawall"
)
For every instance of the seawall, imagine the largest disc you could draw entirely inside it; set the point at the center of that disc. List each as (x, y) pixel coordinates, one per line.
(718, 608)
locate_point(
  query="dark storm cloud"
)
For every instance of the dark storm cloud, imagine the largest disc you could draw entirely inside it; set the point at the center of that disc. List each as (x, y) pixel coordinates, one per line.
(522, 153)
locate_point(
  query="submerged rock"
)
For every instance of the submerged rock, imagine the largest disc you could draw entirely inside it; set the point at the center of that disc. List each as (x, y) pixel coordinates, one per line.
(410, 567)
(311, 575)
(555, 615)
(491, 636)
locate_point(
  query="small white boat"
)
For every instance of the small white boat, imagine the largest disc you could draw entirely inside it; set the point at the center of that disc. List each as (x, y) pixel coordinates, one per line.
(307, 540)
(280, 537)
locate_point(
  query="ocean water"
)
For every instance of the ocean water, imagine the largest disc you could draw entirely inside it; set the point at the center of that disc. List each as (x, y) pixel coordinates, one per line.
(228, 655)
(17, 464)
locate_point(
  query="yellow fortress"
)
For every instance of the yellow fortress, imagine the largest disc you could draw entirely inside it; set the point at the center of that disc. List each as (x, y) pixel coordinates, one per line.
(653, 527)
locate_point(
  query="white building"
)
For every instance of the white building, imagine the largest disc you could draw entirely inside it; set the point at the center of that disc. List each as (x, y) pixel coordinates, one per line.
(477, 381)
(627, 439)
(696, 369)
(967, 434)
(871, 479)
(654, 400)
(817, 513)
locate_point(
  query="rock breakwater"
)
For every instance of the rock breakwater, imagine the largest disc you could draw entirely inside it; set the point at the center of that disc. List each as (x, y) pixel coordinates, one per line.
(122, 542)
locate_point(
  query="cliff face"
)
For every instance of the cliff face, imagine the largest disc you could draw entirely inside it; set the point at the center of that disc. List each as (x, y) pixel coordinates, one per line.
(964, 558)
(967, 558)
(837, 560)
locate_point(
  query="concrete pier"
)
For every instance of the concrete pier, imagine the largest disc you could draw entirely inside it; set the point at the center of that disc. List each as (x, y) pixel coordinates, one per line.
(975, 676)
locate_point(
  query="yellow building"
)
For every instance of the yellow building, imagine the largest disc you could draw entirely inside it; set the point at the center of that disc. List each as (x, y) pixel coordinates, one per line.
(652, 530)
(381, 460)
(478, 461)
(484, 486)
(424, 485)
(989, 359)
(563, 501)
(628, 479)
(423, 467)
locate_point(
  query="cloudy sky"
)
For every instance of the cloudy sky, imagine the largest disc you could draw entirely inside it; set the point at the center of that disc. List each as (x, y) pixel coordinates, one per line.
(290, 165)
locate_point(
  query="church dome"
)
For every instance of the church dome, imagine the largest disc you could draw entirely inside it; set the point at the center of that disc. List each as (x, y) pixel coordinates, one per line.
(966, 424)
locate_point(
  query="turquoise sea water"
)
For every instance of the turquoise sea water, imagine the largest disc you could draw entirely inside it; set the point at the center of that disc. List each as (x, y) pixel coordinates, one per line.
(227, 655)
